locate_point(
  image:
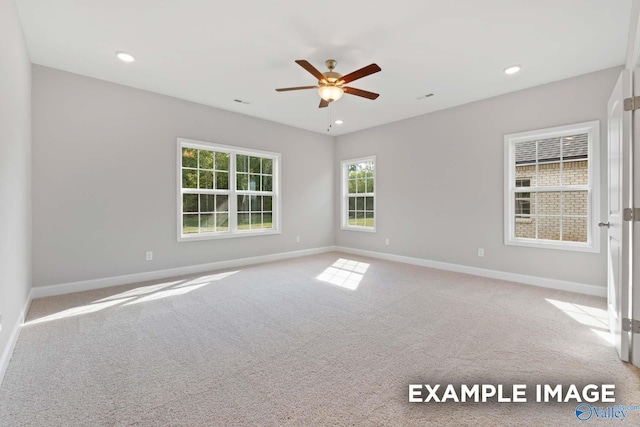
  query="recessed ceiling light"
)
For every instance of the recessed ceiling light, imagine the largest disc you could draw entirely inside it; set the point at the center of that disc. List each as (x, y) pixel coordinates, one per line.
(125, 57)
(339, 122)
(512, 69)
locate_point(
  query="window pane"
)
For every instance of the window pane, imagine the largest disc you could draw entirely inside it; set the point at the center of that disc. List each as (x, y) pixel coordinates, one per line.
(267, 219)
(352, 218)
(352, 203)
(525, 228)
(256, 203)
(549, 162)
(256, 220)
(549, 227)
(207, 223)
(206, 159)
(254, 165)
(222, 222)
(574, 229)
(206, 179)
(243, 203)
(189, 203)
(549, 150)
(222, 203)
(575, 173)
(267, 202)
(575, 147)
(361, 185)
(549, 203)
(525, 152)
(370, 186)
(254, 182)
(222, 180)
(549, 174)
(352, 186)
(574, 203)
(369, 203)
(267, 166)
(242, 181)
(243, 221)
(369, 219)
(267, 183)
(359, 218)
(242, 163)
(222, 161)
(207, 203)
(190, 224)
(525, 175)
(189, 178)
(360, 203)
(190, 157)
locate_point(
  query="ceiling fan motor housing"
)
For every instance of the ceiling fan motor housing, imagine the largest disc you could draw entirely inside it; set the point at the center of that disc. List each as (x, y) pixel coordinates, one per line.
(330, 76)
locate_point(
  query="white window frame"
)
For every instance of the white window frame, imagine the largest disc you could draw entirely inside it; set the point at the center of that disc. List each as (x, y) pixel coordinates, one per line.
(232, 192)
(592, 129)
(344, 190)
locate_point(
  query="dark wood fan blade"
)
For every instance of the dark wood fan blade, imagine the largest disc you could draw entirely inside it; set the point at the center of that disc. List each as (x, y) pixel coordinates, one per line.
(362, 72)
(284, 89)
(360, 92)
(310, 68)
(323, 103)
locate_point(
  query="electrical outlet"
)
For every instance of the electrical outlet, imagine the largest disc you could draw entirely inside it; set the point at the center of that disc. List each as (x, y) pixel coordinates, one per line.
(387, 241)
(149, 255)
(297, 239)
(481, 252)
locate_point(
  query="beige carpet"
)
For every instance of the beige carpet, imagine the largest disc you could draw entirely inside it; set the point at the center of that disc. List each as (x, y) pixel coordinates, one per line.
(272, 344)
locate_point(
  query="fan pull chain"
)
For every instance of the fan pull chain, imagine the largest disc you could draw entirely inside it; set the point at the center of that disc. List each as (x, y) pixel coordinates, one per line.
(329, 123)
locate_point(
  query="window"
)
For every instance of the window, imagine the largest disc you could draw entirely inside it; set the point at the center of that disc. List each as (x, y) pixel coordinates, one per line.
(358, 194)
(551, 187)
(226, 191)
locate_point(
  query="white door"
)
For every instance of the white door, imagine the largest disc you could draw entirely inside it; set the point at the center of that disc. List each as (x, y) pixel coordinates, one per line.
(619, 146)
(635, 250)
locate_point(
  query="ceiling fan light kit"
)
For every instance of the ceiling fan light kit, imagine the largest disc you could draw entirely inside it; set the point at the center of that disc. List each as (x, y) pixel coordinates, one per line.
(330, 93)
(331, 84)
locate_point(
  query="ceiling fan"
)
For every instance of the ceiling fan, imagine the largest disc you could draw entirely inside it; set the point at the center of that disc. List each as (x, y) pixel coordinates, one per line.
(331, 84)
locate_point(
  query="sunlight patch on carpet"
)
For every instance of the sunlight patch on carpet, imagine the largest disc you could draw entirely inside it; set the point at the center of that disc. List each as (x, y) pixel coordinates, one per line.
(142, 290)
(596, 318)
(77, 311)
(344, 273)
(137, 295)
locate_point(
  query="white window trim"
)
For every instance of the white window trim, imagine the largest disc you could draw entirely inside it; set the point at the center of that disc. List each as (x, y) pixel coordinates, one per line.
(233, 193)
(344, 202)
(592, 128)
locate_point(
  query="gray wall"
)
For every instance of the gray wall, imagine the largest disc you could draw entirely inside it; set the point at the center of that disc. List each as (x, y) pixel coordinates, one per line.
(104, 173)
(441, 179)
(15, 170)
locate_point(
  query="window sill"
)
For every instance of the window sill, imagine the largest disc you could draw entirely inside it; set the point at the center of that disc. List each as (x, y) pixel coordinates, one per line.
(356, 228)
(553, 244)
(226, 235)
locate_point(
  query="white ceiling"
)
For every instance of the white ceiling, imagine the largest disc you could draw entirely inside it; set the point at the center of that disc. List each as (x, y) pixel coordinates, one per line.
(213, 52)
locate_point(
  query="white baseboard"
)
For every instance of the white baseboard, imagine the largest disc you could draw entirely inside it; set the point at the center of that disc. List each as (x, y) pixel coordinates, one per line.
(87, 285)
(544, 282)
(13, 338)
